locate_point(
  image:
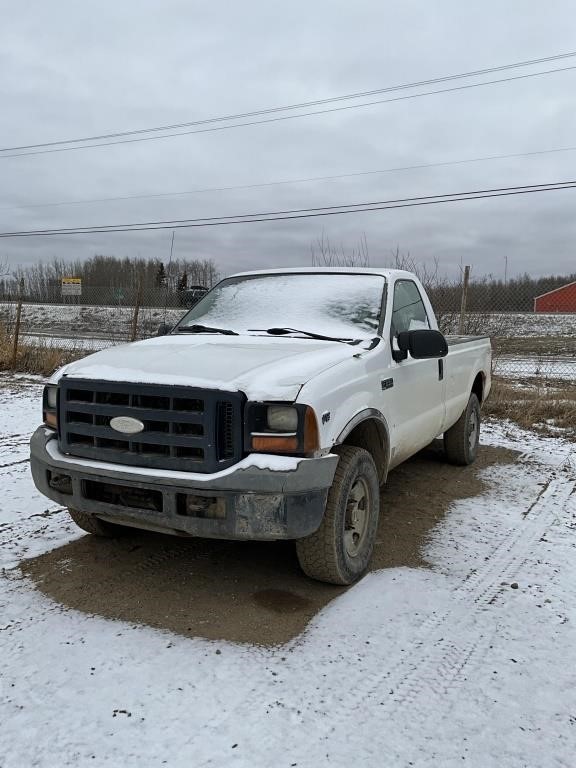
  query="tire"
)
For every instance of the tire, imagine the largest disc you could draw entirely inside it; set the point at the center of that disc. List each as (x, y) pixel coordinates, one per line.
(461, 440)
(339, 551)
(94, 525)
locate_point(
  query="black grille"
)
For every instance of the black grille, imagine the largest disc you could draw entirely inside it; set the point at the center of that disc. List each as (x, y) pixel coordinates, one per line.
(185, 429)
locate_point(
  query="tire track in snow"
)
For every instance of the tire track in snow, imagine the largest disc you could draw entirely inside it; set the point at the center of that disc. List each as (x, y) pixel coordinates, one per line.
(15, 586)
(14, 463)
(13, 448)
(509, 555)
(20, 526)
(440, 657)
(437, 660)
(16, 535)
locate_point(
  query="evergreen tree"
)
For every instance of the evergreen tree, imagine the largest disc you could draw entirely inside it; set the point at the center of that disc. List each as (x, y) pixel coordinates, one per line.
(161, 274)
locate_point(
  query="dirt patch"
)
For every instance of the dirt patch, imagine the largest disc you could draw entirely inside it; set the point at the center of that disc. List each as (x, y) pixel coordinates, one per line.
(244, 591)
(281, 601)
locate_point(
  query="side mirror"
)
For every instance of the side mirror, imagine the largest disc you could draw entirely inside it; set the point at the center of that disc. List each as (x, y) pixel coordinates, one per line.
(422, 344)
(163, 329)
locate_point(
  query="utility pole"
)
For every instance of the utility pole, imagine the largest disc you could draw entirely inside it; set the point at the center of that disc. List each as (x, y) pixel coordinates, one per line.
(505, 271)
(168, 273)
(465, 283)
(17, 323)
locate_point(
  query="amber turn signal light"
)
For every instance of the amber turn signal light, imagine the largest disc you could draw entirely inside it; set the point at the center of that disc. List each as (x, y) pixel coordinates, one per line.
(311, 434)
(274, 444)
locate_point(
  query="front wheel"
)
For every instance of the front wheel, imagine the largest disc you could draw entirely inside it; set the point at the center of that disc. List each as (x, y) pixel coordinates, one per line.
(95, 525)
(339, 551)
(461, 440)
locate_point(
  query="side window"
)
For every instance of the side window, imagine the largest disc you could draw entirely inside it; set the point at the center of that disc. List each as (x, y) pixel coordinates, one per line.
(408, 310)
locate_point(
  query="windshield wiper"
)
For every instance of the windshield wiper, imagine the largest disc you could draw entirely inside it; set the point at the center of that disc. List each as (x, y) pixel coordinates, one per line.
(308, 334)
(205, 329)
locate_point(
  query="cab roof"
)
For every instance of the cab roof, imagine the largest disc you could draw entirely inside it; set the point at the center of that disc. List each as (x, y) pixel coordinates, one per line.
(389, 274)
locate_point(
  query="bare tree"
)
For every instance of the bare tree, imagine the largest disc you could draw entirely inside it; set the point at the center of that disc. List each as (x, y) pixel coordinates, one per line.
(109, 279)
(427, 274)
(324, 254)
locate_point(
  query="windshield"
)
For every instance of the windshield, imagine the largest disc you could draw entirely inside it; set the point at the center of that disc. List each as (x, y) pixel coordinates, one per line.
(335, 304)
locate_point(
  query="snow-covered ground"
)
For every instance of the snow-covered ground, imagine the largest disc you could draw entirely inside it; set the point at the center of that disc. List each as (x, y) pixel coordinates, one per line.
(470, 662)
(116, 320)
(83, 321)
(81, 344)
(543, 367)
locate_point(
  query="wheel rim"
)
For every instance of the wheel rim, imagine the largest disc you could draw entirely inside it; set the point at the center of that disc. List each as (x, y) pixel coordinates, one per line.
(357, 517)
(473, 430)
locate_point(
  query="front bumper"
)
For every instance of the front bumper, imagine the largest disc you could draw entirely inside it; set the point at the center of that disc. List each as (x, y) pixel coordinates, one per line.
(285, 500)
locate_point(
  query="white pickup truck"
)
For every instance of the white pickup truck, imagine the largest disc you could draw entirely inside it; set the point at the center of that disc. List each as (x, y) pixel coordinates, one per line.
(274, 409)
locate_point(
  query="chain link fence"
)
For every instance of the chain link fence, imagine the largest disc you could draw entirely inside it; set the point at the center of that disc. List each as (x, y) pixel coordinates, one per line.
(533, 337)
(531, 342)
(77, 325)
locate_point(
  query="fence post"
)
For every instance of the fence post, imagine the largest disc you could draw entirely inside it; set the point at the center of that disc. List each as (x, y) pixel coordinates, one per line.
(17, 325)
(134, 330)
(464, 299)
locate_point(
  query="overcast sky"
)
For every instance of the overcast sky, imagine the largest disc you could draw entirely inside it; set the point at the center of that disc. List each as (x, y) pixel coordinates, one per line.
(72, 69)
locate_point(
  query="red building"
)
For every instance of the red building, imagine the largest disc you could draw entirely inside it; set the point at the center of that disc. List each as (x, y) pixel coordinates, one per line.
(561, 299)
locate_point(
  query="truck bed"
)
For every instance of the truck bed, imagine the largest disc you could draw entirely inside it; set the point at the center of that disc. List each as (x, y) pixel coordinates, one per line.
(462, 339)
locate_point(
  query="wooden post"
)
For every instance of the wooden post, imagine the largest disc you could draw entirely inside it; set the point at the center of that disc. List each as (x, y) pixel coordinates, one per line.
(17, 325)
(134, 331)
(464, 299)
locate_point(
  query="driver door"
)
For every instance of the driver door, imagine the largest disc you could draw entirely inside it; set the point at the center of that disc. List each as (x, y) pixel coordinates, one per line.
(418, 393)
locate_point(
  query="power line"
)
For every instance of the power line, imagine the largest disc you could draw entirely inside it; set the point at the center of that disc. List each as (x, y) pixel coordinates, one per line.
(301, 210)
(281, 118)
(288, 182)
(300, 105)
(302, 213)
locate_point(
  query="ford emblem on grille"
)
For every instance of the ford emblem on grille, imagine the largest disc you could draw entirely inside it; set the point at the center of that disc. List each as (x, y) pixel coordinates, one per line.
(126, 424)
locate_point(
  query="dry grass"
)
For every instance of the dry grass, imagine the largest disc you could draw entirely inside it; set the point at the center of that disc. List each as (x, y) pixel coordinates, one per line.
(546, 406)
(547, 346)
(41, 359)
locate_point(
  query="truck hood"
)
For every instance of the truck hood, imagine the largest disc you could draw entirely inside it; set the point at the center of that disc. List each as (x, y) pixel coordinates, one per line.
(261, 367)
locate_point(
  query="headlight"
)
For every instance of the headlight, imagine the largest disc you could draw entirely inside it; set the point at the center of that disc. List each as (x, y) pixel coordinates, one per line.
(282, 418)
(50, 406)
(276, 428)
(51, 397)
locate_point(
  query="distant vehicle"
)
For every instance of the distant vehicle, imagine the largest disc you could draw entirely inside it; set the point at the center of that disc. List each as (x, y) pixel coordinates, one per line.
(192, 295)
(274, 409)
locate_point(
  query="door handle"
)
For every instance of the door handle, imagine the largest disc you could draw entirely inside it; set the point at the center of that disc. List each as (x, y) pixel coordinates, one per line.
(440, 369)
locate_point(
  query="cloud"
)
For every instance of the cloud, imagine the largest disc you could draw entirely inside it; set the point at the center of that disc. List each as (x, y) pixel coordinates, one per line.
(79, 69)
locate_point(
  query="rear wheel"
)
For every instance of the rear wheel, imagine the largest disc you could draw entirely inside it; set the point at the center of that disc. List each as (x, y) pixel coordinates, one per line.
(339, 551)
(94, 525)
(461, 440)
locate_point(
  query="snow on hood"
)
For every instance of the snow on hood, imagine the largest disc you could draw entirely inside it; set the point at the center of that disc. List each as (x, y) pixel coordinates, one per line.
(261, 367)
